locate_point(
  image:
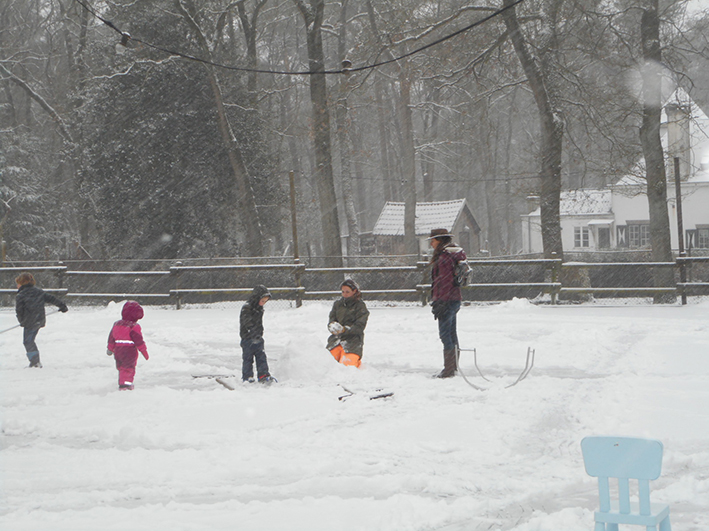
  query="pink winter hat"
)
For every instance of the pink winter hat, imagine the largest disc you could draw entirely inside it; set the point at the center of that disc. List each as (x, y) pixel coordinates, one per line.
(132, 311)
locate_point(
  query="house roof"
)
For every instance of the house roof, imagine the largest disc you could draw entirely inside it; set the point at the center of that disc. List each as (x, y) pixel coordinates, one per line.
(583, 203)
(429, 215)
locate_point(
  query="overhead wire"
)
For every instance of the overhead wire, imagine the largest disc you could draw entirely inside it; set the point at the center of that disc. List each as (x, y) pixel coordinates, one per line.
(126, 37)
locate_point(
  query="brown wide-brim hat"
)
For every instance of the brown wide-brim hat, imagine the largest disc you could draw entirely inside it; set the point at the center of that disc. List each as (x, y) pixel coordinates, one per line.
(439, 233)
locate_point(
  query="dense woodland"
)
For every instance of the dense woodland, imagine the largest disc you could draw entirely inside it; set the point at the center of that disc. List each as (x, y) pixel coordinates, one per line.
(124, 146)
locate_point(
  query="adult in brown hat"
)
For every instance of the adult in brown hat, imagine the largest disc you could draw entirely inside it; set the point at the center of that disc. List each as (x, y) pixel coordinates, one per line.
(446, 295)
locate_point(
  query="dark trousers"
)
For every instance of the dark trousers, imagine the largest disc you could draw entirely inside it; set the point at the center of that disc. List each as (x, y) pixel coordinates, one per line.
(447, 325)
(28, 339)
(253, 348)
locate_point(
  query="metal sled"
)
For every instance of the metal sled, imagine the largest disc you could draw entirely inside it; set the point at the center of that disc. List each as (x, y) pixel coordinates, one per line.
(529, 363)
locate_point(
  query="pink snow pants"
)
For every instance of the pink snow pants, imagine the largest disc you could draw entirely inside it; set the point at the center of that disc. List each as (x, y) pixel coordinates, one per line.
(126, 360)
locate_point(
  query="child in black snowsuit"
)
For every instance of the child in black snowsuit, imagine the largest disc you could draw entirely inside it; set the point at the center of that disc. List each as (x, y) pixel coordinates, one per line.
(29, 307)
(251, 331)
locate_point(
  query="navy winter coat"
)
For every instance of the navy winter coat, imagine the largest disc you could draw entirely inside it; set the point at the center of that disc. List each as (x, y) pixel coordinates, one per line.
(251, 317)
(29, 306)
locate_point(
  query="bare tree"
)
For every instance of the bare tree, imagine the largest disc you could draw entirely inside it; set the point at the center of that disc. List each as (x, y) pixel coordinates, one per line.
(343, 137)
(652, 146)
(540, 72)
(244, 190)
(249, 27)
(313, 18)
(407, 145)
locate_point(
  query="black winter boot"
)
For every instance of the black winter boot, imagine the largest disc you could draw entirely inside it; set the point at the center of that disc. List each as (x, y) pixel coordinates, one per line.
(449, 364)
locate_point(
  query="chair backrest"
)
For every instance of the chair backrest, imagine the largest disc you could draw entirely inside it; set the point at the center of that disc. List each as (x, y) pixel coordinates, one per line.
(623, 458)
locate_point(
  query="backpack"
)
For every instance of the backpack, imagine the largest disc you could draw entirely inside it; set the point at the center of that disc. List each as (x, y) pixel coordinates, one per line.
(462, 273)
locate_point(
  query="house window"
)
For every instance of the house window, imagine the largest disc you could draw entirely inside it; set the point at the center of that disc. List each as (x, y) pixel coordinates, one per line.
(604, 237)
(581, 236)
(703, 238)
(639, 235)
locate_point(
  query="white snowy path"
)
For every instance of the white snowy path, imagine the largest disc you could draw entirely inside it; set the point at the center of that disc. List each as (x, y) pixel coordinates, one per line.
(187, 454)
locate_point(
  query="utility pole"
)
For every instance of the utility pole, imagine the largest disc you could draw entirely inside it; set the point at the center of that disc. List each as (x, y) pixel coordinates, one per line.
(296, 255)
(680, 230)
(296, 252)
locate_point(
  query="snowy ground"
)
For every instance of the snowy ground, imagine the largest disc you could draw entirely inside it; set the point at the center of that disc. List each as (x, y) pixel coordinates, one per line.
(180, 453)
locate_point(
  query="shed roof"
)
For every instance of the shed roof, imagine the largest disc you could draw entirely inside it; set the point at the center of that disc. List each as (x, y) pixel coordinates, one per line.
(429, 215)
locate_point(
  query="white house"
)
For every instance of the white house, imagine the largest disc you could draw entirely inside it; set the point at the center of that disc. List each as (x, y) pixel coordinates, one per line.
(618, 217)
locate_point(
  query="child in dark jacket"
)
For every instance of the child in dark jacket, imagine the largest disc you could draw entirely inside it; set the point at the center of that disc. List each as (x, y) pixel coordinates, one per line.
(29, 307)
(125, 341)
(251, 331)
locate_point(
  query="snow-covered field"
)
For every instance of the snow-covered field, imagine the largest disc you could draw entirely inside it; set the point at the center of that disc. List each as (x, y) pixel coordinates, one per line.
(180, 453)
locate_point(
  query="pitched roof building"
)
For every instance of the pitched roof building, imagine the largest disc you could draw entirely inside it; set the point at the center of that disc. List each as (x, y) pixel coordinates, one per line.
(618, 217)
(454, 216)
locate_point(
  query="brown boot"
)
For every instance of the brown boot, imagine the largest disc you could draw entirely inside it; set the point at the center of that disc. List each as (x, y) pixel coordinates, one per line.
(449, 364)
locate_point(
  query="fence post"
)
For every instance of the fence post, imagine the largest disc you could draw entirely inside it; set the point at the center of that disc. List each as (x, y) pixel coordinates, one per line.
(61, 275)
(297, 273)
(555, 276)
(176, 273)
(423, 295)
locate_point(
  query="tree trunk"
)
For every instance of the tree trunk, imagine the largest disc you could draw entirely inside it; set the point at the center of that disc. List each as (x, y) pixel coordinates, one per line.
(344, 142)
(332, 245)
(246, 200)
(408, 156)
(382, 122)
(510, 236)
(488, 163)
(652, 148)
(540, 78)
(430, 133)
(250, 34)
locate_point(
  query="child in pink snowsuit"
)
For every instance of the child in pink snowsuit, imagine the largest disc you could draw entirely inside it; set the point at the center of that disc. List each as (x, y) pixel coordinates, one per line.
(124, 342)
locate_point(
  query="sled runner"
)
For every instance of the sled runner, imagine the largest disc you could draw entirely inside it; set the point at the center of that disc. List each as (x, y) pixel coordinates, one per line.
(529, 363)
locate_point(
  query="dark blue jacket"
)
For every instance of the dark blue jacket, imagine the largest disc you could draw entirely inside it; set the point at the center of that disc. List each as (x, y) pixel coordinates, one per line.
(29, 306)
(251, 317)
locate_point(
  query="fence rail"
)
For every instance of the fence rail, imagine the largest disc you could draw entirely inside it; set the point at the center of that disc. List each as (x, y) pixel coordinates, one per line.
(297, 282)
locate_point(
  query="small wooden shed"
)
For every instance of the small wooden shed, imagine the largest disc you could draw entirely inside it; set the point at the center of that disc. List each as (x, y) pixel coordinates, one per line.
(455, 216)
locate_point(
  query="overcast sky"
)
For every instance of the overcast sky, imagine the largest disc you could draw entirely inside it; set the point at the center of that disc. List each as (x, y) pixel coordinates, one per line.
(697, 5)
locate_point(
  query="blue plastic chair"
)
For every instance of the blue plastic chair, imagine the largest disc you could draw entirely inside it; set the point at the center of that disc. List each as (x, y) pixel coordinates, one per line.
(625, 458)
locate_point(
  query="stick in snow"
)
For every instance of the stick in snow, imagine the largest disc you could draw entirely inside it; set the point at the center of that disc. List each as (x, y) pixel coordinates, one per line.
(18, 325)
(379, 393)
(225, 383)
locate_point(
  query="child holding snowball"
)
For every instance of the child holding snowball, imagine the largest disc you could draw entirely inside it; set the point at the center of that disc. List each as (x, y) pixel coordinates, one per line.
(348, 319)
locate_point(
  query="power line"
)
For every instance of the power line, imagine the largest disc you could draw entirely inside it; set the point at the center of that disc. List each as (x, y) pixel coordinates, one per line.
(501, 180)
(125, 37)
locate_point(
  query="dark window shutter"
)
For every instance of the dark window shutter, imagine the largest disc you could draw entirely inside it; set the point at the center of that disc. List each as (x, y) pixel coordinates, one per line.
(621, 235)
(690, 238)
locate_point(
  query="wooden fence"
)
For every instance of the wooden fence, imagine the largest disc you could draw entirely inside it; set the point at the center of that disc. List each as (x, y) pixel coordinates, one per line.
(412, 282)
